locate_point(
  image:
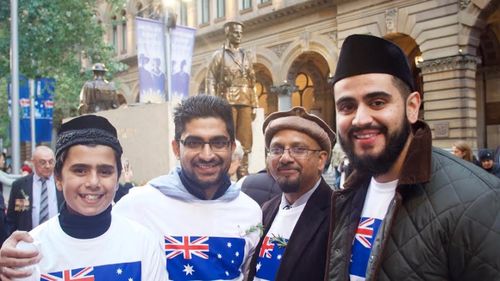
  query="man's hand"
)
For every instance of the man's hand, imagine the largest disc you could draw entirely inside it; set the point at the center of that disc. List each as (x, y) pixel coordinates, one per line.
(12, 259)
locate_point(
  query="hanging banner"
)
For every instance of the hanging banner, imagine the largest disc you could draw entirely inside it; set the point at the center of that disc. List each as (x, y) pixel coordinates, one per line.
(151, 60)
(182, 52)
(44, 108)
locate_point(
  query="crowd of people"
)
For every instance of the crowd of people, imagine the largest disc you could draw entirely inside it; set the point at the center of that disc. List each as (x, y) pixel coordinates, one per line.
(405, 210)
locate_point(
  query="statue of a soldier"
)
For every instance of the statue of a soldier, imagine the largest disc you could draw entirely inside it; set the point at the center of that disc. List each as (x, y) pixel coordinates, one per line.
(98, 94)
(231, 76)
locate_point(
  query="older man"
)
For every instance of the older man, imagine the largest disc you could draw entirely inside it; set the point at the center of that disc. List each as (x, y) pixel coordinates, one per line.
(34, 198)
(408, 211)
(296, 223)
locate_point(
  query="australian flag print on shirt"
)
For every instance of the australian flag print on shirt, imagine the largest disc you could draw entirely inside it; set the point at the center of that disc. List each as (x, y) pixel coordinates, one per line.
(204, 257)
(270, 254)
(362, 246)
(119, 272)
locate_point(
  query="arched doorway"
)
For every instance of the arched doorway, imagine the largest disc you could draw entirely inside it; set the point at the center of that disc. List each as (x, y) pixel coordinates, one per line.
(488, 80)
(310, 72)
(412, 51)
(267, 100)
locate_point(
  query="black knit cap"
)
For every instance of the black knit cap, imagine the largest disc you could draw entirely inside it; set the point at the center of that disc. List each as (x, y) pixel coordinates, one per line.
(88, 129)
(363, 54)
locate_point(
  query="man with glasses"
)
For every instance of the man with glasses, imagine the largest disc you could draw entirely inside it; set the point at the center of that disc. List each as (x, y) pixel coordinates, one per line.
(34, 198)
(209, 229)
(296, 222)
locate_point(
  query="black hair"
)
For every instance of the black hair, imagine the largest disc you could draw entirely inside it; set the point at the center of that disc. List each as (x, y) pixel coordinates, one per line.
(203, 106)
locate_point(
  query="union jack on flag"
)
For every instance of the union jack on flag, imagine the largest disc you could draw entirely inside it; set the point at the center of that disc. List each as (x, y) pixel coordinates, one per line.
(266, 248)
(81, 274)
(364, 234)
(186, 247)
(204, 257)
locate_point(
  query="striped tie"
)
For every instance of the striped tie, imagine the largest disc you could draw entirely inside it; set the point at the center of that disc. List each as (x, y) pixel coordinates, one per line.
(44, 202)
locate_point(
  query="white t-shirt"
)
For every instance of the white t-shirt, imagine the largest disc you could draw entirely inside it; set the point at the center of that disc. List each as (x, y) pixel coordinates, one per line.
(204, 239)
(377, 202)
(126, 251)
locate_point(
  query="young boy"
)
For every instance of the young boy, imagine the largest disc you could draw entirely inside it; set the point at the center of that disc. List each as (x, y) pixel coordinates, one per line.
(85, 240)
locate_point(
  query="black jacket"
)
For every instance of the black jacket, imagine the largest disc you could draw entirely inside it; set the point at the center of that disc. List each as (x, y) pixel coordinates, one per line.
(261, 187)
(305, 253)
(443, 223)
(21, 219)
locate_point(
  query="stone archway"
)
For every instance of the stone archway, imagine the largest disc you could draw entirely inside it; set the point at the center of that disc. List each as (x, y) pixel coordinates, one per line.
(309, 73)
(413, 53)
(488, 79)
(264, 80)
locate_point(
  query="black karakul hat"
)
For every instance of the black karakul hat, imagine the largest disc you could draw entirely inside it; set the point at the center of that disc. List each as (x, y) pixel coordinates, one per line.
(363, 54)
(87, 129)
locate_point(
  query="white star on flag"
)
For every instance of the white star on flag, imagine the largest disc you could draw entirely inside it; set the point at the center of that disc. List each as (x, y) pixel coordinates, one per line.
(229, 245)
(188, 269)
(219, 256)
(259, 265)
(237, 254)
(119, 271)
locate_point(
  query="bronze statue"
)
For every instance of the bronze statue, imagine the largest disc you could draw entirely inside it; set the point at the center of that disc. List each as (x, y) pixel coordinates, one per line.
(98, 94)
(231, 76)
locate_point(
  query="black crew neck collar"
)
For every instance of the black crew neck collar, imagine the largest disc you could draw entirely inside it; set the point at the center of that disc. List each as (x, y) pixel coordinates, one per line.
(84, 227)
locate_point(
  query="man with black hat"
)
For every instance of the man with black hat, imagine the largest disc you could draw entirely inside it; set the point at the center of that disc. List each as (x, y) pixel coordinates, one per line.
(231, 76)
(86, 241)
(486, 159)
(296, 222)
(408, 211)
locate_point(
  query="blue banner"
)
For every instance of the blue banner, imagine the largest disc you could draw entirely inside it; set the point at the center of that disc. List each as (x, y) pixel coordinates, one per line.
(151, 60)
(44, 108)
(182, 52)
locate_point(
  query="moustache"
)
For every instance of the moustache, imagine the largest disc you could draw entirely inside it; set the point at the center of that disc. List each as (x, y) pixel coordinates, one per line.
(354, 129)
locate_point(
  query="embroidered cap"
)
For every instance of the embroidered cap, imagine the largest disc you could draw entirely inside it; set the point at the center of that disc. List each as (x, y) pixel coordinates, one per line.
(88, 129)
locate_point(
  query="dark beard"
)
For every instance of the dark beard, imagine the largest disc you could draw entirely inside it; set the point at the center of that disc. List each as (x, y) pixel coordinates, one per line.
(288, 186)
(377, 165)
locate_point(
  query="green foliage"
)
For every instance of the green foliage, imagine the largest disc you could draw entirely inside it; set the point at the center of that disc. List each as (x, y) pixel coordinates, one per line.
(52, 35)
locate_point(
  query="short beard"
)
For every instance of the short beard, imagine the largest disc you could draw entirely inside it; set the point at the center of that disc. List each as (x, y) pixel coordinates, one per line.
(381, 164)
(288, 186)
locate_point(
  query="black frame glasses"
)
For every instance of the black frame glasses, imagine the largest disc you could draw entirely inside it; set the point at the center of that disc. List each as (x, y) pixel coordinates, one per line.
(216, 144)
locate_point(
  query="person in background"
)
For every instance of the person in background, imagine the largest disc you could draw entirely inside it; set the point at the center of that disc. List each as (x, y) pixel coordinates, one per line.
(128, 175)
(236, 158)
(462, 150)
(260, 186)
(34, 198)
(4, 232)
(486, 159)
(85, 241)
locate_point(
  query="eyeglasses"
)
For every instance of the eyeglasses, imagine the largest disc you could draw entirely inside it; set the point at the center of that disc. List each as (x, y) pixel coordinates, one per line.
(45, 162)
(217, 144)
(296, 152)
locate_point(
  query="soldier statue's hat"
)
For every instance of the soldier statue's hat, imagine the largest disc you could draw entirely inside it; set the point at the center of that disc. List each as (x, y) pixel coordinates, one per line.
(233, 22)
(99, 67)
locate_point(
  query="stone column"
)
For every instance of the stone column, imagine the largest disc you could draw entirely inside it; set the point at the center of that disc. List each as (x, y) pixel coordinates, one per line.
(450, 107)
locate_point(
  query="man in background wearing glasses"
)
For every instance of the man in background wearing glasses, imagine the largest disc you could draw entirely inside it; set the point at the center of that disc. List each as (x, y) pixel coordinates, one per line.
(296, 222)
(34, 198)
(209, 229)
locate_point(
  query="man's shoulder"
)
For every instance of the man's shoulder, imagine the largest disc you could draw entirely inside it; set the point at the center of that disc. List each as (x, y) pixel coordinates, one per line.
(20, 182)
(463, 176)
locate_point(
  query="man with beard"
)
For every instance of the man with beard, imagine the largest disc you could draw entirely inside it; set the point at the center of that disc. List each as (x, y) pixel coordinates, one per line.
(296, 222)
(209, 229)
(408, 211)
